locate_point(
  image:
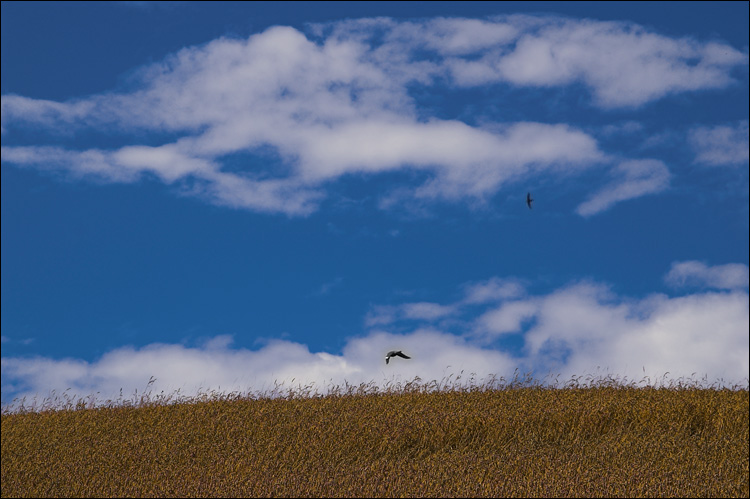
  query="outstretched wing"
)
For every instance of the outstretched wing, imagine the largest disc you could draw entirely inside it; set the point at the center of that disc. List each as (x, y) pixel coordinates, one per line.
(401, 354)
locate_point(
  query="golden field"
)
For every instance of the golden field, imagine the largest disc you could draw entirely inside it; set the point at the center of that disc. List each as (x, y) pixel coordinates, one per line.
(513, 440)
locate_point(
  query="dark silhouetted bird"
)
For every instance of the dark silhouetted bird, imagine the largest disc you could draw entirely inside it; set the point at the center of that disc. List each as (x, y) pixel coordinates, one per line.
(529, 200)
(395, 353)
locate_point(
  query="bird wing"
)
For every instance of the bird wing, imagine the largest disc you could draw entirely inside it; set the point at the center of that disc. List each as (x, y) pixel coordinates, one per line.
(400, 354)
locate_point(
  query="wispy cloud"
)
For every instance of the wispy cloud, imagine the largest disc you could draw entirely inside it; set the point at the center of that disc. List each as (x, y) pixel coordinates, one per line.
(493, 289)
(697, 274)
(722, 145)
(338, 102)
(380, 315)
(327, 287)
(573, 330)
(623, 64)
(632, 179)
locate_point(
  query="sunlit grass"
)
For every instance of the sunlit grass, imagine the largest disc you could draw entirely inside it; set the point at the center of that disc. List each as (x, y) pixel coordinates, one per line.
(497, 437)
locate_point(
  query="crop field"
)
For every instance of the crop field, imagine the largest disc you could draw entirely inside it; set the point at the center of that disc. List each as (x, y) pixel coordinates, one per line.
(517, 439)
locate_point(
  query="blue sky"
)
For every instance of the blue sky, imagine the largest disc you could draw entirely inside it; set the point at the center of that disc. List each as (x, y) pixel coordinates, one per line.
(228, 195)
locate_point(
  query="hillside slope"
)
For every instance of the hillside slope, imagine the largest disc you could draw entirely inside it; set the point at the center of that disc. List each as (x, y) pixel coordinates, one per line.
(601, 441)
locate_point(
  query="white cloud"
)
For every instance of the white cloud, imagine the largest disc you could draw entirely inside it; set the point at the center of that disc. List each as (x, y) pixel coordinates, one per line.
(697, 274)
(633, 179)
(217, 367)
(165, 161)
(702, 333)
(475, 293)
(493, 289)
(90, 163)
(338, 103)
(580, 329)
(721, 145)
(44, 113)
(621, 129)
(505, 319)
(426, 311)
(623, 64)
(584, 327)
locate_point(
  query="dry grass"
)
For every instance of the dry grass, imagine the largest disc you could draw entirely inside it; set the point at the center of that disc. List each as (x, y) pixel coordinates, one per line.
(502, 440)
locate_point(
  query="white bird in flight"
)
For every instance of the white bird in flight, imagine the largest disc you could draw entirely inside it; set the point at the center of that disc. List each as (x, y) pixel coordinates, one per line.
(395, 353)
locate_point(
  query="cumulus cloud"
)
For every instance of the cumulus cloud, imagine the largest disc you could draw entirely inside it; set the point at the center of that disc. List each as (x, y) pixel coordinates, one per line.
(722, 145)
(623, 64)
(582, 328)
(338, 102)
(697, 274)
(215, 366)
(632, 179)
(507, 318)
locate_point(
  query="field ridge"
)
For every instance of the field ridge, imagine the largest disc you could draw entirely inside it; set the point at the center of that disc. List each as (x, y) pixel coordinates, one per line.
(511, 441)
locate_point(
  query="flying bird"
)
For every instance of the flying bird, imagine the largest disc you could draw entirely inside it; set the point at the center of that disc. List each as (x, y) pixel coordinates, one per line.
(529, 200)
(395, 353)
